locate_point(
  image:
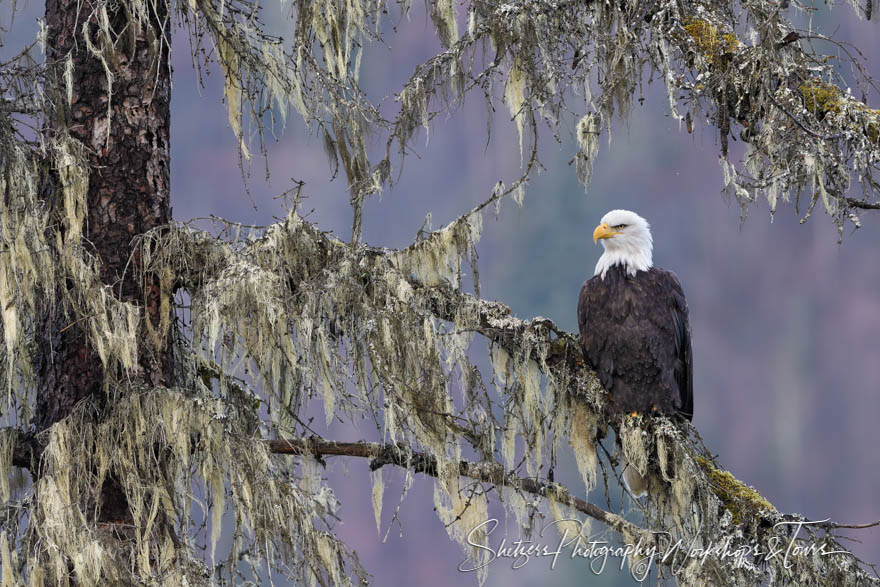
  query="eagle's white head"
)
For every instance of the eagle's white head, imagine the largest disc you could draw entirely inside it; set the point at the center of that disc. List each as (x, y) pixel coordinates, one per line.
(626, 238)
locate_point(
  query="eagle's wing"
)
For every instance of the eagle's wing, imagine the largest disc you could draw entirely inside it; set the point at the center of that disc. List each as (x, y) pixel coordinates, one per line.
(589, 342)
(683, 370)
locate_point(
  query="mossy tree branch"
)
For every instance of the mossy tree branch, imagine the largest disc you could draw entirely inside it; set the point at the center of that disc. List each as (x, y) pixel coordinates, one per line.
(779, 90)
(401, 456)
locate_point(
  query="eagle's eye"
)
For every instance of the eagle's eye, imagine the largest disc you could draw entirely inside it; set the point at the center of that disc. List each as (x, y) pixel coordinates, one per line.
(619, 226)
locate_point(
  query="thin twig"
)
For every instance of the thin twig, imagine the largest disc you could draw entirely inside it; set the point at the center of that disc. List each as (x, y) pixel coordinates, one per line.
(853, 203)
(829, 524)
(75, 322)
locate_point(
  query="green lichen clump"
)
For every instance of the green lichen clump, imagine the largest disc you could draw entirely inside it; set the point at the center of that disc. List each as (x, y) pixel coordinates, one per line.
(870, 118)
(873, 129)
(738, 498)
(714, 45)
(820, 98)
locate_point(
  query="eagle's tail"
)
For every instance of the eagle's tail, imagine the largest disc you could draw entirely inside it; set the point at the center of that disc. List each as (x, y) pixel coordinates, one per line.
(635, 483)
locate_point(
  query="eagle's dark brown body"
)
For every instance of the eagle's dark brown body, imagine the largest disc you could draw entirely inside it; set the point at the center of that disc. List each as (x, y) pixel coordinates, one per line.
(635, 335)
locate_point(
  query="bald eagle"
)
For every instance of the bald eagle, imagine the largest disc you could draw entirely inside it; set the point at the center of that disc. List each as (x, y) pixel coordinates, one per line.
(633, 322)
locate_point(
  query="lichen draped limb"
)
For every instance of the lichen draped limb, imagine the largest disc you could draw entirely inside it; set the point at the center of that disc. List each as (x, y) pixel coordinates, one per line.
(743, 502)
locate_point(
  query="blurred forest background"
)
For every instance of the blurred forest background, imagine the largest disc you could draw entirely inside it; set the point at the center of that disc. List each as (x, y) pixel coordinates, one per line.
(785, 321)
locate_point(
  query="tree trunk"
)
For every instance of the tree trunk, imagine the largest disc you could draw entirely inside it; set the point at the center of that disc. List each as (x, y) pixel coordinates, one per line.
(128, 192)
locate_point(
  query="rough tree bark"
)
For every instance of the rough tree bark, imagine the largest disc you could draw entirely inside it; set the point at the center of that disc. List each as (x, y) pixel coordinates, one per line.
(128, 194)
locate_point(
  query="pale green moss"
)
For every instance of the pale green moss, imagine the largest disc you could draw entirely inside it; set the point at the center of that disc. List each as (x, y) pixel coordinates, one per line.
(738, 498)
(820, 97)
(714, 45)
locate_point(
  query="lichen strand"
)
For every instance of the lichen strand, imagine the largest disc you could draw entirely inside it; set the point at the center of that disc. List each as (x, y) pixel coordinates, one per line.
(583, 437)
(588, 147)
(516, 98)
(463, 506)
(26, 263)
(568, 524)
(443, 15)
(537, 407)
(743, 502)
(437, 260)
(377, 494)
(634, 443)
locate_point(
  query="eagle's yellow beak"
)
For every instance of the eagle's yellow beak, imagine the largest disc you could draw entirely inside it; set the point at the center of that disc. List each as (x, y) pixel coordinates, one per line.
(603, 231)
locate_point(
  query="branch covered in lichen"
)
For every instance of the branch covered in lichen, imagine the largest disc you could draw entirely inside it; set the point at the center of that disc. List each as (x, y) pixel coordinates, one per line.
(805, 135)
(740, 500)
(743, 68)
(400, 456)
